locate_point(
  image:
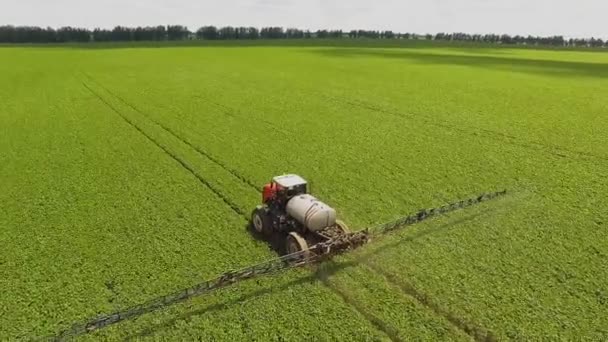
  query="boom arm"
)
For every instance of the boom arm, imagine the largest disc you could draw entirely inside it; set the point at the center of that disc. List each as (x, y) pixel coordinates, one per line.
(321, 251)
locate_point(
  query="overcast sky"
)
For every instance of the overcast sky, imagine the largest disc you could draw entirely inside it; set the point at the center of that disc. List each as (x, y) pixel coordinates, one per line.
(571, 18)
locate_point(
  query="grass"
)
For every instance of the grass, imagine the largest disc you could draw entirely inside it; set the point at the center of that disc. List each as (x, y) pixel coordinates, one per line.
(128, 173)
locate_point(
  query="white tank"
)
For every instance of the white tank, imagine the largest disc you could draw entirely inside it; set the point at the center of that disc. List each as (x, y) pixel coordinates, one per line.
(312, 213)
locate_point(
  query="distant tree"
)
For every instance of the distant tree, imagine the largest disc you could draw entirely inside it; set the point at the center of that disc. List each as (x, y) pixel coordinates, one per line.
(388, 35)
(322, 34)
(177, 32)
(33, 34)
(240, 33)
(368, 34)
(558, 41)
(294, 33)
(596, 42)
(583, 42)
(227, 32)
(161, 33)
(101, 35)
(120, 33)
(26, 34)
(145, 34)
(207, 32)
(272, 33)
(149, 33)
(518, 39)
(506, 39)
(335, 34)
(5, 34)
(71, 34)
(253, 33)
(461, 36)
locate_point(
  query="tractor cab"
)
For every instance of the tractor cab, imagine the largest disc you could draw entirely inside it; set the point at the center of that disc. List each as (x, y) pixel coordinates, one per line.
(282, 188)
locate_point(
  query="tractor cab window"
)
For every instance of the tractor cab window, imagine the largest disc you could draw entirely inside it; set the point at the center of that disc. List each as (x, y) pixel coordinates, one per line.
(302, 189)
(297, 190)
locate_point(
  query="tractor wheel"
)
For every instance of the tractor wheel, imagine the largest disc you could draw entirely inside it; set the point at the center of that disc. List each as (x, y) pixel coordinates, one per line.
(343, 227)
(296, 243)
(260, 220)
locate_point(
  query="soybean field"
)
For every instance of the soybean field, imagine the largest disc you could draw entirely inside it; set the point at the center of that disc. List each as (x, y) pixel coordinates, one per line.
(129, 172)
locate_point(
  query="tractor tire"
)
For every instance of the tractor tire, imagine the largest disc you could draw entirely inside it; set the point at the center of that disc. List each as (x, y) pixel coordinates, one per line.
(260, 221)
(343, 227)
(296, 243)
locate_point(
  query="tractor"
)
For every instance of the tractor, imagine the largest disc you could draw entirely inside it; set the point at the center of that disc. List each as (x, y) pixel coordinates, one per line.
(287, 208)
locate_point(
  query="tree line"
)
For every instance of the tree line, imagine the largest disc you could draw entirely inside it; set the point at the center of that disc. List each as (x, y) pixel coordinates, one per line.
(34, 34)
(521, 40)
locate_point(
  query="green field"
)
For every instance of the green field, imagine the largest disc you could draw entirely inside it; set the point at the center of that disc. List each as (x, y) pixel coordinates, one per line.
(125, 174)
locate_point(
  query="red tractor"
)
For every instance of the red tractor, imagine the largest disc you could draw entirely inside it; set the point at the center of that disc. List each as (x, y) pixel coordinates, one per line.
(288, 208)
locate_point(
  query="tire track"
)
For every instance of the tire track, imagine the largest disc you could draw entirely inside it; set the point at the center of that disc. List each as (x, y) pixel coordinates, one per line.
(557, 151)
(231, 113)
(380, 325)
(554, 150)
(203, 181)
(473, 330)
(177, 136)
(472, 130)
(284, 131)
(374, 321)
(289, 133)
(389, 331)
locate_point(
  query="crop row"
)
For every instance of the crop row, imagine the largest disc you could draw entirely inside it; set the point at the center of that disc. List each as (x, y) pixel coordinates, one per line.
(181, 162)
(358, 307)
(93, 208)
(373, 165)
